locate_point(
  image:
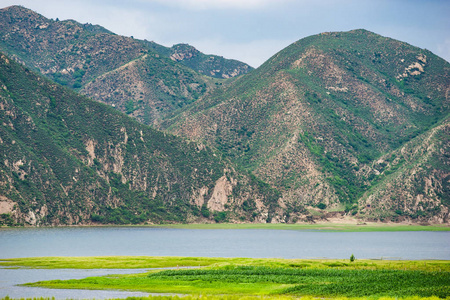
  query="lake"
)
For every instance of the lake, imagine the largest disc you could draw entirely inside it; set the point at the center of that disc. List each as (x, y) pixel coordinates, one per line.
(256, 243)
(147, 241)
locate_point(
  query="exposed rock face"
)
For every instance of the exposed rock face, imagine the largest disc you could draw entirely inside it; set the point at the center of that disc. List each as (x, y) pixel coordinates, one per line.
(6, 205)
(414, 69)
(183, 52)
(210, 65)
(222, 190)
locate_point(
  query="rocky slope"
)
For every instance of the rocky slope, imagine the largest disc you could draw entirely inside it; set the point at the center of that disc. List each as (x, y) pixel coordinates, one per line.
(210, 65)
(319, 119)
(66, 159)
(120, 71)
(413, 181)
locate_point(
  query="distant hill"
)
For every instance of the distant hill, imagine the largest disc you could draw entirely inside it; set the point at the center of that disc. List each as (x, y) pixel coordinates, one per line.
(349, 122)
(210, 65)
(66, 159)
(143, 79)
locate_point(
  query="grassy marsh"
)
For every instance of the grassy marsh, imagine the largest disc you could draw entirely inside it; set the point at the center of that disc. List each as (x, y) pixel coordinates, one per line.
(256, 277)
(251, 280)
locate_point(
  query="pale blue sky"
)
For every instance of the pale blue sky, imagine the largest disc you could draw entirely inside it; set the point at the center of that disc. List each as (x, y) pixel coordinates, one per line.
(254, 30)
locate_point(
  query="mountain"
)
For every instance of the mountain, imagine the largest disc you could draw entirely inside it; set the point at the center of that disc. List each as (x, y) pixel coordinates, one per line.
(143, 79)
(352, 122)
(66, 159)
(340, 123)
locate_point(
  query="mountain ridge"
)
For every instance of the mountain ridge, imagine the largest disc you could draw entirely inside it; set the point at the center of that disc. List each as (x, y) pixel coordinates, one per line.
(77, 55)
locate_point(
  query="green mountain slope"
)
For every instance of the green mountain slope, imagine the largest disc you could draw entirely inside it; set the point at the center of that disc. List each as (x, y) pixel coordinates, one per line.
(66, 159)
(315, 118)
(412, 181)
(120, 71)
(148, 88)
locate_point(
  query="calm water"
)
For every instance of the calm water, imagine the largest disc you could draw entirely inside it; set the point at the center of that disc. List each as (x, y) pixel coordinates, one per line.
(256, 243)
(9, 278)
(96, 241)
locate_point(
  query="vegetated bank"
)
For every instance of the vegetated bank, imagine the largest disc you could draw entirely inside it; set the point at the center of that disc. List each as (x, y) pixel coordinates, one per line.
(357, 226)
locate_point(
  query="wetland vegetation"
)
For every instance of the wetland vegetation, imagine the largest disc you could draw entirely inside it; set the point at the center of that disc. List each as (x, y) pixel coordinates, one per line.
(234, 278)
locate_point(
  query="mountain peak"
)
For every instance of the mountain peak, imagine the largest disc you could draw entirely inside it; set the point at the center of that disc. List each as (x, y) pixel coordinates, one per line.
(18, 11)
(183, 52)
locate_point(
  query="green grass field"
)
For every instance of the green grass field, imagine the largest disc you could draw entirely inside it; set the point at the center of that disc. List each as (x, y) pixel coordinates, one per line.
(148, 262)
(249, 280)
(235, 278)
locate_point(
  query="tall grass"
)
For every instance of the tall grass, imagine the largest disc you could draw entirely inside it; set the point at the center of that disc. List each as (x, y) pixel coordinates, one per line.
(253, 280)
(325, 282)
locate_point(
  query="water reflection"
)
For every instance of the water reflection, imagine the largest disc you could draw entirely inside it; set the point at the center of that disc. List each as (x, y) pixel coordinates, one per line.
(9, 278)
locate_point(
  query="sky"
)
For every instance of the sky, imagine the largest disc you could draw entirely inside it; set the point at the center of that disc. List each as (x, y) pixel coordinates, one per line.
(253, 30)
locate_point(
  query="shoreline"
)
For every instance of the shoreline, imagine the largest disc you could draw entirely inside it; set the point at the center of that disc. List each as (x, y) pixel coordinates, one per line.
(322, 226)
(338, 225)
(157, 263)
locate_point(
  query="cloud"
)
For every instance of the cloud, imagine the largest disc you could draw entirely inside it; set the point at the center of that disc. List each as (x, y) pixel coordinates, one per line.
(443, 50)
(253, 30)
(218, 4)
(253, 53)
